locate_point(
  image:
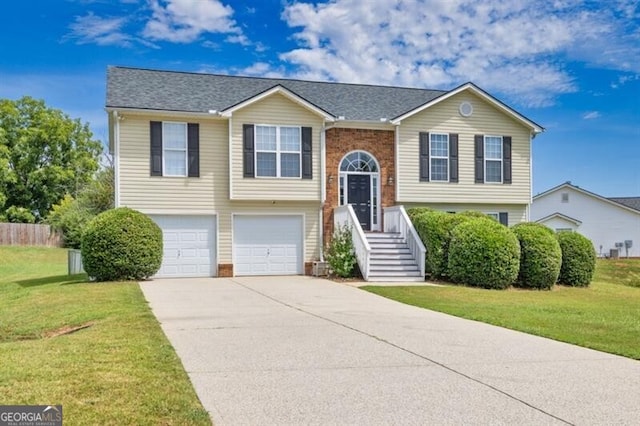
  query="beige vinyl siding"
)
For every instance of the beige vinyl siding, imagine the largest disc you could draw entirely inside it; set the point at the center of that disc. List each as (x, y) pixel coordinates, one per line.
(275, 110)
(311, 224)
(208, 194)
(517, 213)
(141, 191)
(445, 118)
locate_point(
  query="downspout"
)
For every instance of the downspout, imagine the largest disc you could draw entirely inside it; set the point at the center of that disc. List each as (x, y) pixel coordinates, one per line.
(395, 163)
(323, 189)
(528, 210)
(116, 159)
(230, 131)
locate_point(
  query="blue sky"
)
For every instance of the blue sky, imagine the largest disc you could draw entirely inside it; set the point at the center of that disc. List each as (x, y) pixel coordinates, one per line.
(572, 66)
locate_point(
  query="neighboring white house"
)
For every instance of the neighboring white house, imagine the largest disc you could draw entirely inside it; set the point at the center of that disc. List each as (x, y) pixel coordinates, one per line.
(610, 223)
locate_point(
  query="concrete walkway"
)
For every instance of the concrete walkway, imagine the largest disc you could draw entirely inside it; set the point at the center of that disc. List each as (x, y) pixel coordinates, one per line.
(299, 350)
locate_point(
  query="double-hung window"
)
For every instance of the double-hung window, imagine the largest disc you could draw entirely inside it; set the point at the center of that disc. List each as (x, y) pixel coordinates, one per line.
(278, 151)
(493, 159)
(439, 157)
(174, 141)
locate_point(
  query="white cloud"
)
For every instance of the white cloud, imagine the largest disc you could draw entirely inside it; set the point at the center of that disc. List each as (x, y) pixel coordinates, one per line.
(101, 31)
(512, 47)
(183, 21)
(590, 115)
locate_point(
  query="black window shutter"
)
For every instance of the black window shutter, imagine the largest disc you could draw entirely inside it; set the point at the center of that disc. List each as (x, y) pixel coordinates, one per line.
(479, 157)
(156, 148)
(307, 153)
(193, 148)
(424, 156)
(453, 157)
(506, 159)
(247, 151)
(504, 218)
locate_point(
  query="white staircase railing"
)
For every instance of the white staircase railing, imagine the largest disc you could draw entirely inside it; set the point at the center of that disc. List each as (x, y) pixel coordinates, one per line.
(397, 220)
(346, 216)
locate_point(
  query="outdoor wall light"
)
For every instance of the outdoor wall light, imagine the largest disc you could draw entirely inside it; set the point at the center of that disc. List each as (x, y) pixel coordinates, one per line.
(330, 179)
(390, 180)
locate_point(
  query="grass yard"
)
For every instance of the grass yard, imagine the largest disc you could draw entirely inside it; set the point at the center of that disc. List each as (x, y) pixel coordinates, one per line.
(120, 369)
(604, 316)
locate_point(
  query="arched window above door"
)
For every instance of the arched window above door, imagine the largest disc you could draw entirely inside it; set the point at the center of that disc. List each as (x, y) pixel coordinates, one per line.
(359, 161)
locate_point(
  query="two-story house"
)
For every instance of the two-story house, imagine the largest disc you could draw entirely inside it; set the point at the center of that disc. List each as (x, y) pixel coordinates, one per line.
(245, 175)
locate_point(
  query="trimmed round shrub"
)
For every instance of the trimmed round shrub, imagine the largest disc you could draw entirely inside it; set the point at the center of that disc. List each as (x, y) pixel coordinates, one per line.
(540, 256)
(434, 228)
(476, 214)
(484, 253)
(121, 244)
(578, 259)
(417, 211)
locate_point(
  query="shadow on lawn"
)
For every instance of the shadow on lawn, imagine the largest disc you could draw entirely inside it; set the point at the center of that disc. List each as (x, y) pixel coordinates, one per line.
(58, 279)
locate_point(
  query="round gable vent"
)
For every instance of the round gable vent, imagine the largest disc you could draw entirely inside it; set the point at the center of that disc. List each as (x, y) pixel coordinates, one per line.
(466, 109)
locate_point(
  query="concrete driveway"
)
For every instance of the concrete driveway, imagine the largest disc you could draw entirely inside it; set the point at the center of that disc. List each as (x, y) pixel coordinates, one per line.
(299, 350)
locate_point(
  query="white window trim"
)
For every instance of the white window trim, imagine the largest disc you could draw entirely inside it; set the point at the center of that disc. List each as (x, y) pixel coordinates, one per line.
(278, 151)
(185, 150)
(501, 160)
(495, 215)
(438, 157)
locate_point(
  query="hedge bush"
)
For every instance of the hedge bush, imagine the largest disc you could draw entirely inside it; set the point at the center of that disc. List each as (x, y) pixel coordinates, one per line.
(483, 253)
(540, 256)
(417, 211)
(476, 214)
(578, 259)
(434, 228)
(121, 244)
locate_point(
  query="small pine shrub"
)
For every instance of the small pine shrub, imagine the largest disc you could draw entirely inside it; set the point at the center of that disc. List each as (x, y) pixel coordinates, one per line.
(435, 228)
(483, 253)
(121, 244)
(540, 256)
(578, 259)
(340, 253)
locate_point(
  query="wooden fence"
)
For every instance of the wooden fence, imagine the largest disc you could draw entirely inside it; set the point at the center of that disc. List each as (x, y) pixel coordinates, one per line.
(27, 234)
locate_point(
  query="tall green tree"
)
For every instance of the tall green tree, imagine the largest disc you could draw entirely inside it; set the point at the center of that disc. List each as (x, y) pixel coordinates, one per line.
(44, 154)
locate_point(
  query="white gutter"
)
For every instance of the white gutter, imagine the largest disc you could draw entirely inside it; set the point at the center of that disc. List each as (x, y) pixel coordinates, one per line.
(116, 158)
(155, 112)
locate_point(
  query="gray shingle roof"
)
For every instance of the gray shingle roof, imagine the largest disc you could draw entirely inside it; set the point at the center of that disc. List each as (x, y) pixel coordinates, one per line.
(194, 92)
(632, 202)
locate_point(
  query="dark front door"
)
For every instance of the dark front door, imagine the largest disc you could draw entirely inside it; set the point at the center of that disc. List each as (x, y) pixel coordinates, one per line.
(359, 196)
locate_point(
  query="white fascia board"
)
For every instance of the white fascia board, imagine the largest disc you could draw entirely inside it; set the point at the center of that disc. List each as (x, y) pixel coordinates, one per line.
(535, 128)
(286, 93)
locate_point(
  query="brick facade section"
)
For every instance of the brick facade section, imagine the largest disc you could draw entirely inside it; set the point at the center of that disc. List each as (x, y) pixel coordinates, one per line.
(225, 269)
(339, 142)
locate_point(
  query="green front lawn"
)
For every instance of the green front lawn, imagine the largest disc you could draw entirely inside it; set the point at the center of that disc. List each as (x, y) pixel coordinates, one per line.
(120, 369)
(604, 316)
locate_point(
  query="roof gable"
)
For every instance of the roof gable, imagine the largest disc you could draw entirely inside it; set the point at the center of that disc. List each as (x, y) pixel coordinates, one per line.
(282, 91)
(558, 215)
(610, 201)
(534, 127)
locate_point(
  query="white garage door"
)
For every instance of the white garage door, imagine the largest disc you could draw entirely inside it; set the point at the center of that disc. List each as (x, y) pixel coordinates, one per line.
(189, 246)
(267, 245)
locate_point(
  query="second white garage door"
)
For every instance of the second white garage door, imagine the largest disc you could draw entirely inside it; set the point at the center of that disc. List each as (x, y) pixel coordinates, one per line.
(189, 246)
(267, 245)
